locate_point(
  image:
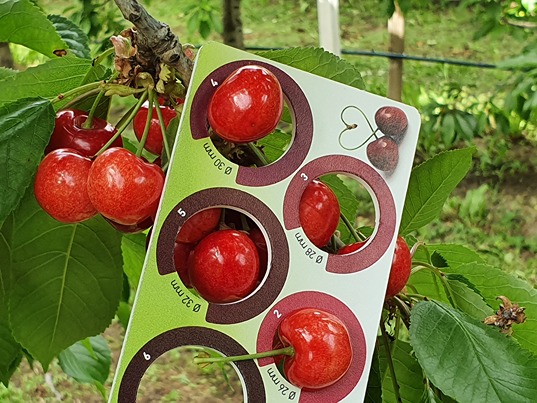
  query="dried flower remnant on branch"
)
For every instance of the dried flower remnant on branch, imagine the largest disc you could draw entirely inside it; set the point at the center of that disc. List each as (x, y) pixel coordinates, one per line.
(506, 316)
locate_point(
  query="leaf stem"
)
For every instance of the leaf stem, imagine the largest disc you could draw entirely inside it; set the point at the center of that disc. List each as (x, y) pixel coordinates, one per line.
(389, 360)
(76, 91)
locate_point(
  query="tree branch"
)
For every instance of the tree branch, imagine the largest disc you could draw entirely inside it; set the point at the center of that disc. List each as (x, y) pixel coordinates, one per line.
(155, 40)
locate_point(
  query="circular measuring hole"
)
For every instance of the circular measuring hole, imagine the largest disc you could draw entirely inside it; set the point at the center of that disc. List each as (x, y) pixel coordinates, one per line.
(297, 106)
(330, 304)
(175, 377)
(259, 216)
(222, 253)
(248, 371)
(381, 196)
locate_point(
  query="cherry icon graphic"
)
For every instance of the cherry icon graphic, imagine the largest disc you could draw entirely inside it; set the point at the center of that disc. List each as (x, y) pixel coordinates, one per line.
(247, 106)
(154, 141)
(319, 213)
(224, 266)
(70, 133)
(60, 186)
(199, 225)
(392, 121)
(123, 187)
(383, 153)
(400, 268)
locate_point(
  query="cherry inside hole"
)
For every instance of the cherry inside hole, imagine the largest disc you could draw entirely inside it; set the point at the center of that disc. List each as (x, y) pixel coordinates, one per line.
(222, 254)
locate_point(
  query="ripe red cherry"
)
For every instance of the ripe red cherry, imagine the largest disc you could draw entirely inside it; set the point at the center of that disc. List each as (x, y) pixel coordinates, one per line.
(261, 244)
(319, 213)
(132, 228)
(225, 266)
(322, 348)
(69, 133)
(383, 154)
(247, 106)
(60, 186)
(123, 187)
(154, 140)
(199, 225)
(400, 268)
(182, 253)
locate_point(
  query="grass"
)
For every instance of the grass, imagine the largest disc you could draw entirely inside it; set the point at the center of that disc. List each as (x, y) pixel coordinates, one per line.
(494, 218)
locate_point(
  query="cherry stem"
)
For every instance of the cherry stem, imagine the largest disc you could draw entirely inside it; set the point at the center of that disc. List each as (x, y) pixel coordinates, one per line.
(124, 122)
(289, 350)
(359, 110)
(387, 348)
(76, 91)
(262, 158)
(88, 124)
(143, 140)
(358, 236)
(162, 126)
(98, 60)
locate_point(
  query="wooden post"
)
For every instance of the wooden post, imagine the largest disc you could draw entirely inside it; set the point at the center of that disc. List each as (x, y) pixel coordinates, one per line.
(396, 29)
(232, 34)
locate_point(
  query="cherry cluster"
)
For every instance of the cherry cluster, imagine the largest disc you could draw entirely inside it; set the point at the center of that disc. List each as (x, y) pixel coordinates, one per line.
(86, 171)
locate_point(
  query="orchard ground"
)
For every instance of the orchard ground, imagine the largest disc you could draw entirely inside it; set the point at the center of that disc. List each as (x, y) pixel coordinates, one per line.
(492, 211)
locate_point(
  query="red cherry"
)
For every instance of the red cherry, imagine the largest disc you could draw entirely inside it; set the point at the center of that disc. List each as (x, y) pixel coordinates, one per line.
(154, 140)
(60, 186)
(132, 228)
(225, 266)
(69, 133)
(322, 348)
(319, 213)
(123, 187)
(392, 121)
(199, 225)
(182, 253)
(247, 106)
(383, 154)
(401, 267)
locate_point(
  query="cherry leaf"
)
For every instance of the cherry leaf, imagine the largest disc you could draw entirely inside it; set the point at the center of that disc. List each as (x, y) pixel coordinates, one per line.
(46, 80)
(373, 394)
(493, 282)
(73, 36)
(462, 356)
(25, 128)
(5, 72)
(133, 250)
(319, 62)
(22, 22)
(430, 185)
(67, 280)
(87, 365)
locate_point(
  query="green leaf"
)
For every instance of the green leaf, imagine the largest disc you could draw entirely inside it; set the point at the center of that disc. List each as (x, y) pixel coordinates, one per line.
(447, 130)
(493, 282)
(47, 80)
(10, 351)
(468, 301)
(373, 393)
(133, 250)
(407, 371)
(5, 73)
(79, 363)
(67, 280)
(274, 145)
(72, 35)
(430, 185)
(319, 62)
(455, 255)
(468, 360)
(25, 128)
(22, 22)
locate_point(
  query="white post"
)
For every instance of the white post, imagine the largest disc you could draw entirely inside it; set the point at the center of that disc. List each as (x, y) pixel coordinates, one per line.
(328, 17)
